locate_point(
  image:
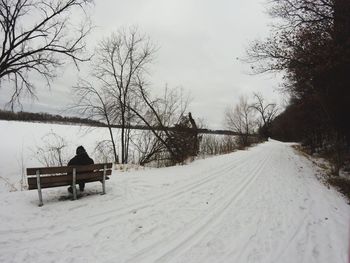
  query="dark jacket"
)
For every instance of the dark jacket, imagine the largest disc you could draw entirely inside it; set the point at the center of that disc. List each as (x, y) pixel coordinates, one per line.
(81, 159)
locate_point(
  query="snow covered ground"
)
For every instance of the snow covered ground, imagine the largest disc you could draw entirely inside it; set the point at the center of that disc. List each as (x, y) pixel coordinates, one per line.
(259, 205)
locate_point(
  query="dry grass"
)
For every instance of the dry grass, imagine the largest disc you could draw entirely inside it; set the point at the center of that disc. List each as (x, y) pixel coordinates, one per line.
(340, 183)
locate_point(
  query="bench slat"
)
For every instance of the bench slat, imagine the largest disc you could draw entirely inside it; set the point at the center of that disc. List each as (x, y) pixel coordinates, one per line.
(66, 178)
(68, 169)
(57, 184)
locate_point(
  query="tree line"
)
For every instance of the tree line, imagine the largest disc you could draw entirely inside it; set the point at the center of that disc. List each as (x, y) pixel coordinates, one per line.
(46, 118)
(311, 46)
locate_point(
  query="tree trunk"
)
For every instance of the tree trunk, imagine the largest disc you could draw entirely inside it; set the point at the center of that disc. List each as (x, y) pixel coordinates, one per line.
(123, 139)
(113, 144)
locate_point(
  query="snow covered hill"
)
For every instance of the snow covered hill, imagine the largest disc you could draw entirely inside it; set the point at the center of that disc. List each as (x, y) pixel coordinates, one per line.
(259, 205)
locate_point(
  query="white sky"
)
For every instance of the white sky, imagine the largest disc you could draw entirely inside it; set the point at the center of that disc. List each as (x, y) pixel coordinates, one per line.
(198, 40)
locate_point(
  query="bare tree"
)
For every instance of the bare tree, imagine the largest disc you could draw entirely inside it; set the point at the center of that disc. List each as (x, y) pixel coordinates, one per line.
(96, 104)
(267, 114)
(169, 111)
(148, 147)
(303, 13)
(122, 59)
(52, 151)
(217, 144)
(240, 120)
(211, 144)
(35, 37)
(120, 71)
(104, 151)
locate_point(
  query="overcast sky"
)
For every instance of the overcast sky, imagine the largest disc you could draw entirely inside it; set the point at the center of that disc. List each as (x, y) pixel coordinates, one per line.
(199, 42)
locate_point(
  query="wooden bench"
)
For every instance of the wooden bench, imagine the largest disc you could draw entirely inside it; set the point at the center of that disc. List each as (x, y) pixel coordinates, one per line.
(48, 177)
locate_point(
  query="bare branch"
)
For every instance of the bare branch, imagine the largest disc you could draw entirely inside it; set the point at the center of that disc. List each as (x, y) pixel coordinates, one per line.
(41, 45)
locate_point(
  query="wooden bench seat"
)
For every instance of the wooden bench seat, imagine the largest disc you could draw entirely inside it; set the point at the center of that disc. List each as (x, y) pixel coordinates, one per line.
(48, 177)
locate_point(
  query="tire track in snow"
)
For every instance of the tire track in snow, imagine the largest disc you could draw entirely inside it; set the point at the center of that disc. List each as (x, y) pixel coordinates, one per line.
(205, 240)
(255, 175)
(177, 191)
(292, 186)
(194, 231)
(259, 219)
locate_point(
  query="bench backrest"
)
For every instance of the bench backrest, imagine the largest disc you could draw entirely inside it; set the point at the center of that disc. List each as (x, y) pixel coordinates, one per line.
(62, 176)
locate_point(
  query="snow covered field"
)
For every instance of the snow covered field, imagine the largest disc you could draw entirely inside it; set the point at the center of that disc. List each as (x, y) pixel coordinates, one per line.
(20, 140)
(259, 205)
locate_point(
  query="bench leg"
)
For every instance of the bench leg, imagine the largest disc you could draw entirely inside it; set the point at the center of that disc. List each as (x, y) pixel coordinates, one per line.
(104, 180)
(73, 185)
(39, 188)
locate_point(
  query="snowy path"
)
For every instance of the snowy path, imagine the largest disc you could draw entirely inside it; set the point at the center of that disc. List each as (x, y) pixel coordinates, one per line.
(260, 205)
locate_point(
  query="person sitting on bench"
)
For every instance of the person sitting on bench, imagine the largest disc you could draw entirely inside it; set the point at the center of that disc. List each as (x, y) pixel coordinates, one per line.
(81, 158)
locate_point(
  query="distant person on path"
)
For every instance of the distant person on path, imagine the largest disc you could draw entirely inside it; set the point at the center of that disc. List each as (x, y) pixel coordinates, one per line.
(81, 158)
